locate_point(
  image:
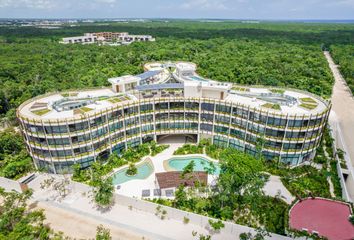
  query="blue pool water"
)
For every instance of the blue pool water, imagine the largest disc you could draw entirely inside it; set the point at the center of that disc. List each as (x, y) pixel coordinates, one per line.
(144, 171)
(195, 78)
(200, 164)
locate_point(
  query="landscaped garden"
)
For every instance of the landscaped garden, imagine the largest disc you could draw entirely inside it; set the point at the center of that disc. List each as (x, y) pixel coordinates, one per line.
(128, 157)
(238, 194)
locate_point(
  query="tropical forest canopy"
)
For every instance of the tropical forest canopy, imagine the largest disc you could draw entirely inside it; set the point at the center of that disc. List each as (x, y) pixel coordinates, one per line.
(32, 62)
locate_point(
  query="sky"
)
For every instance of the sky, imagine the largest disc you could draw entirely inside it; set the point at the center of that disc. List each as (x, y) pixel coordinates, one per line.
(211, 9)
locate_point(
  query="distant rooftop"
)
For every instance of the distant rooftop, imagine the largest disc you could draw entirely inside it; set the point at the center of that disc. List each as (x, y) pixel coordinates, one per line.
(148, 74)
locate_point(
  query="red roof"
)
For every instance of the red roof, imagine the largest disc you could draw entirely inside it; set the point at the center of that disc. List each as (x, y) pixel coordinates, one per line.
(174, 179)
(328, 218)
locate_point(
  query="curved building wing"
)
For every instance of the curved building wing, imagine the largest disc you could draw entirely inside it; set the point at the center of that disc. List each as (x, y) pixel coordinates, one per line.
(62, 129)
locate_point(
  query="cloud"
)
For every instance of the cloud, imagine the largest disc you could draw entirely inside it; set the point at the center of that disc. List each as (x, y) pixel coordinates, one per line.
(35, 4)
(52, 4)
(349, 3)
(204, 5)
(106, 1)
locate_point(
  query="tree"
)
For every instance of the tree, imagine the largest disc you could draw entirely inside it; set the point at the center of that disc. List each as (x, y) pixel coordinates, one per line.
(188, 169)
(17, 165)
(211, 168)
(241, 174)
(103, 233)
(14, 159)
(17, 221)
(103, 192)
(132, 170)
(180, 196)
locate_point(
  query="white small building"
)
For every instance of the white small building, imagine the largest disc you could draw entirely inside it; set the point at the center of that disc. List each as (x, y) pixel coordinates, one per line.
(124, 83)
(86, 39)
(107, 37)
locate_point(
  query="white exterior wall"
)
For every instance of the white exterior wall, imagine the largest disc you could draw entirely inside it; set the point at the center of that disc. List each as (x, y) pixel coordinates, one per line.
(192, 91)
(211, 94)
(10, 185)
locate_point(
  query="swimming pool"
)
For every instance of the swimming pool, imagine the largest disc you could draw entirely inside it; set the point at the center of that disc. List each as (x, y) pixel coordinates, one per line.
(201, 163)
(195, 78)
(144, 170)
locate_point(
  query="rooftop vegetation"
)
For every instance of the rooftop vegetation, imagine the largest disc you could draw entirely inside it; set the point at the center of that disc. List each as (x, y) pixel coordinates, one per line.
(41, 112)
(114, 100)
(308, 106)
(85, 109)
(69, 94)
(240, 89)
(277, 90)
(308, 103)
(272, 106)
(308, 100)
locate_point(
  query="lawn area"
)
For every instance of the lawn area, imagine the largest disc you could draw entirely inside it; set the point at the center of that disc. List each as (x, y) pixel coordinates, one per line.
(308, 106)
(308, 100)
(114, 100)
(241, 89)
(308, 103)
(272, 106)
(70, 94)
(41, 112)
(275, 90)
(85, 109)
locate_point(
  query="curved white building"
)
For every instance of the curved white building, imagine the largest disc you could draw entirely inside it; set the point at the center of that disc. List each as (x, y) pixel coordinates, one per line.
(62, 129)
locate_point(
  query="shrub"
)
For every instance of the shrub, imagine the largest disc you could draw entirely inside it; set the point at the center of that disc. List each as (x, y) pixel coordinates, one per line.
(132, 170)
(216, 225)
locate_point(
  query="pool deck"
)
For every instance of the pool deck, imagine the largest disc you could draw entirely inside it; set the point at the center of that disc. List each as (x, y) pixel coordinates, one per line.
(133, 188)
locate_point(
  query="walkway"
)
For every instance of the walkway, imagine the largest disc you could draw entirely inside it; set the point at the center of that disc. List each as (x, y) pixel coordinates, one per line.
(341, 118)
(78, 217)
(133, 188)
(275, 187)
(79, 226)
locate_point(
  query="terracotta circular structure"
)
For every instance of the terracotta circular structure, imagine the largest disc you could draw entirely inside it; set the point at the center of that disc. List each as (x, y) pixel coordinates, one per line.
(322, 216)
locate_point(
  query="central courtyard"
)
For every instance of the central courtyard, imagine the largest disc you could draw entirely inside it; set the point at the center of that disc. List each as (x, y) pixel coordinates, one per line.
(145, 182)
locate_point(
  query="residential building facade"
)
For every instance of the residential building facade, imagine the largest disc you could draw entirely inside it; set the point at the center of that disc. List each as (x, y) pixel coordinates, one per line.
(61, 129)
